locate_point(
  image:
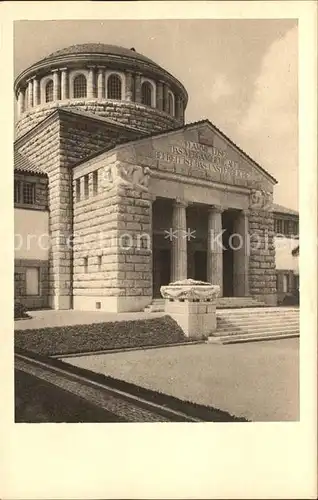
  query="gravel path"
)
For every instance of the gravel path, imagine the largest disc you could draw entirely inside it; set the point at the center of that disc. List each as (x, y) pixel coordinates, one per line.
(258, 380)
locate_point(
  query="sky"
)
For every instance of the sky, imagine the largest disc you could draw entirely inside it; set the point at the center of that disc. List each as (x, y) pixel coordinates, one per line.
(242, 75)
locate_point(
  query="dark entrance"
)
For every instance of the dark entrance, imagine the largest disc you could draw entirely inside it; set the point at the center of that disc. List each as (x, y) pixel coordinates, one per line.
(200, 265)
(161, 269)
(228, 253)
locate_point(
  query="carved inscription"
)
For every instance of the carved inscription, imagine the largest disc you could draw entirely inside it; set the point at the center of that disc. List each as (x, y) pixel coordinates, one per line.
(207, 158)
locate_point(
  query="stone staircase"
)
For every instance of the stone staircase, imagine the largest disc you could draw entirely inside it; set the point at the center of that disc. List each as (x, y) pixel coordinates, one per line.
(247, 325)
(158, 305)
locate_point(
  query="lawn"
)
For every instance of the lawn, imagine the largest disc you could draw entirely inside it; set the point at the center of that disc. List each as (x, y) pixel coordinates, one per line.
(75, 339)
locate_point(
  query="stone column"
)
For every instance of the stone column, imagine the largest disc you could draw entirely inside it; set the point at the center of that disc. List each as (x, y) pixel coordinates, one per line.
(56, 85)
(30, 94)
(138, 87)
(36, 93)
(179, 108)
(129, 91)
(165, 98)
(182, 106)
(241, 249)
(100, 83)
(21, 97)
(159, 94)
(215, 250)
(90, 83)
(179, 267)
(64, 84)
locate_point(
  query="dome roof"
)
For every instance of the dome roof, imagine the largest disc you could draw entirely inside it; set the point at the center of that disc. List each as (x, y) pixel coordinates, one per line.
(99, 48)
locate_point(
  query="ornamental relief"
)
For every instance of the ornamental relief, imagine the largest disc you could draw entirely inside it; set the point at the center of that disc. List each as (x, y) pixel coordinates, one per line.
(125, 174)
(261, 200)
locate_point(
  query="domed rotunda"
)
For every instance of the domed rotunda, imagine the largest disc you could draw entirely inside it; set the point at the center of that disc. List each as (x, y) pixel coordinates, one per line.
(108, 80)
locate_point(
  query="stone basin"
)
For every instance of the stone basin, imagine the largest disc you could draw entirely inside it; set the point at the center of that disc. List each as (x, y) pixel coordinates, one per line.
(190, 290)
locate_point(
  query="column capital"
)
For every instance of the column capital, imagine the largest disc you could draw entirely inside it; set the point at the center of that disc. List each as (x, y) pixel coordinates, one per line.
(246, 212)
(216, 209)
(55, 70)
(153, 197)
(181, 202)
(63, 69)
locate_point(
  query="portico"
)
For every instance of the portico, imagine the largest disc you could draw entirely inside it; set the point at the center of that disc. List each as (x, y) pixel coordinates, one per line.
(202, 242)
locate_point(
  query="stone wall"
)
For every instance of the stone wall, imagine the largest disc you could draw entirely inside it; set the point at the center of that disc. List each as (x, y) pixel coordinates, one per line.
(112, 246)
(262, 267)
(143, 118)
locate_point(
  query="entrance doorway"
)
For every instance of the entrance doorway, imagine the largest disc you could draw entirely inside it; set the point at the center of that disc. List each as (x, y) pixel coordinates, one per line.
(228, 254)
(161, 269)
(200, 265)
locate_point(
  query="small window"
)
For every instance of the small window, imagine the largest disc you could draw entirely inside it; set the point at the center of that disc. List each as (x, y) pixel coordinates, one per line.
(146, 93)
(78, 189)
(170, 103)
(49, 91)
(176, 108)
(286, 227)
(32, 281)
(18, 284)
(114, 87)
(133, 88)
(295, 228)
(278, 226)
(95, 182)
(85, 263)
(86, 186)
(17, 191)
(28, 193)
(79, 87)
(99, 262)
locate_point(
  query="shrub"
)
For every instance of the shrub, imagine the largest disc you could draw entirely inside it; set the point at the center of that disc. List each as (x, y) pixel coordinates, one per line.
(20, 311)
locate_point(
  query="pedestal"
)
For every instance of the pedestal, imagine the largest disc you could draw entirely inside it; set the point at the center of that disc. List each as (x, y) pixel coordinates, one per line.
(192, 304)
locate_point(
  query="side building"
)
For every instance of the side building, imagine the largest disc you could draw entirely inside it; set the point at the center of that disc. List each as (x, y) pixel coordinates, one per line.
(31, 221)
(286, 226)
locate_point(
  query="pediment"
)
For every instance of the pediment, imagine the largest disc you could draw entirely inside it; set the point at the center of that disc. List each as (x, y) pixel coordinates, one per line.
(199, 151)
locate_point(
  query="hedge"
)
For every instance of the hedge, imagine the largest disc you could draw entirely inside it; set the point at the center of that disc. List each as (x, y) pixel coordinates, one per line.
(100, 336)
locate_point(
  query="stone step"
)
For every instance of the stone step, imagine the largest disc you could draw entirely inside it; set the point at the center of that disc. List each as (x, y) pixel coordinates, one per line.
(257, 329)
(252, 317)
(223, 323)
(252, 337)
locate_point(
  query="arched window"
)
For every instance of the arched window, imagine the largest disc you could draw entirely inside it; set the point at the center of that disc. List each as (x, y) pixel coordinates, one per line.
(114, 87)
(170, 104)
(146, 94)
(79, 87)
(49, 91)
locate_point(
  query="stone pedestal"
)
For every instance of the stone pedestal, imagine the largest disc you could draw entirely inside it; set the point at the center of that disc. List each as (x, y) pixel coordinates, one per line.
(192, 304)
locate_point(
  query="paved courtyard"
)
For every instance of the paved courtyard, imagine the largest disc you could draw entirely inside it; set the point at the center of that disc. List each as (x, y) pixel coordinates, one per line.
(257, 380)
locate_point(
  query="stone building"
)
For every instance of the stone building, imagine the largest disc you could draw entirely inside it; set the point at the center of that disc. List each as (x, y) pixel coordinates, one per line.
(129, 196)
